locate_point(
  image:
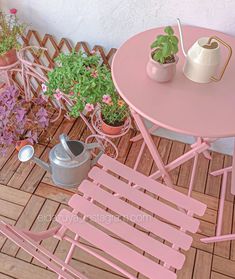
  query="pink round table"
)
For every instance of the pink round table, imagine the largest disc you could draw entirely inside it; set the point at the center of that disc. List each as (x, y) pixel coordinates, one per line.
(206, 111)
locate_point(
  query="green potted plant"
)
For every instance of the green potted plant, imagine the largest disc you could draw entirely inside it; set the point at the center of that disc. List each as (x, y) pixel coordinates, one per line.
(81, 78)
(10, 31)
(162, 62)
(114, 113)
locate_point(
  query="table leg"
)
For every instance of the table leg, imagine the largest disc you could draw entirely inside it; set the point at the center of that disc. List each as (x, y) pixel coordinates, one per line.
(152, 148)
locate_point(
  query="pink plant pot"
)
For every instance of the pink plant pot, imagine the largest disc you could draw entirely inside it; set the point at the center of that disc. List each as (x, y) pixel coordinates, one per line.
(8, 58)
(111, 130)
(161, 72)
(22, 143)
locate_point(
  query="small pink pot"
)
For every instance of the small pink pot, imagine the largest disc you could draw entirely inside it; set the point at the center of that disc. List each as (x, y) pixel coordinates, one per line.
(161, 72)
(8, 58)
(111, 130)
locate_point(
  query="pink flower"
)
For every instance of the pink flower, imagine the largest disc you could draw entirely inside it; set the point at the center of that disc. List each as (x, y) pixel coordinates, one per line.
(94, 74)
(71, 93)
(58, 94)
(106, 99)
(13, 11)
(93, 51)
(44, 88)
(89, 107)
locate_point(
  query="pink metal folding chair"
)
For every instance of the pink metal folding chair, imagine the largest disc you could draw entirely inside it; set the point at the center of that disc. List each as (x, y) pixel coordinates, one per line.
(117, 216)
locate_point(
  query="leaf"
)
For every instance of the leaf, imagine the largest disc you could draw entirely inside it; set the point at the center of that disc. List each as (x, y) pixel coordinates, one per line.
(166, 50)
(169, 30)
(174, 40)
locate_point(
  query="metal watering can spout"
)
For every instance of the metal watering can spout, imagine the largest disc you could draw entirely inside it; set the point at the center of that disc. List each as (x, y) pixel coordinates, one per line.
(26, 153)
(181, 37)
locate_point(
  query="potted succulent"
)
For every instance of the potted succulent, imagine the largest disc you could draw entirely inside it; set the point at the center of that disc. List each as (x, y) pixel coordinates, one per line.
(20, 122)
(10, 31)
(162, 62)
(81, 78)
(114, 113)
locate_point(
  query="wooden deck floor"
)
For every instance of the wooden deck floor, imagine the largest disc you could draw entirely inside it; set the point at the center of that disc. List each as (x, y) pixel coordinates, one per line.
(27, 194)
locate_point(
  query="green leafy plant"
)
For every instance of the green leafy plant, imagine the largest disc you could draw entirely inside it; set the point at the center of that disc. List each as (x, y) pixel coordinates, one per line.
(166, 46)
(114, 111)
(10, 31)
(82, 78)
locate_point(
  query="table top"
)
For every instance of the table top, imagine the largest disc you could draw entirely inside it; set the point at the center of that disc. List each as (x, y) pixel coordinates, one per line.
(206, 110)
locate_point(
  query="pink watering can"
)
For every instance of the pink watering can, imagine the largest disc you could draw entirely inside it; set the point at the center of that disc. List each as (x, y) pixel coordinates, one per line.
(203, 58)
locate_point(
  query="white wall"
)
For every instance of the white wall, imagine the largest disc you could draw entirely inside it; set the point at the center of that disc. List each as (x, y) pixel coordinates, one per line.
(110, 22)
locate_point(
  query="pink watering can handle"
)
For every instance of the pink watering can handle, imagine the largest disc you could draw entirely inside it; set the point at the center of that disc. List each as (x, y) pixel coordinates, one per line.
(230, 51)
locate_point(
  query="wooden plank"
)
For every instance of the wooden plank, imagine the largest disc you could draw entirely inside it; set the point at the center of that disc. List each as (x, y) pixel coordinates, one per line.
(24, 169)
(54, 193)
(9, 168)
(20, 269)
(41, 223)
(215, 275)
(223, 248)
(187, 271)
(7, 221)
(202, 267)
(185, 171)
(177, 149)
(214, 182)
(14, 196)
(201, 174)
(224, 266)
(93, 272)
(4, 276)
(10, 210)
(35, 176)
(4, 159)
(25, 222)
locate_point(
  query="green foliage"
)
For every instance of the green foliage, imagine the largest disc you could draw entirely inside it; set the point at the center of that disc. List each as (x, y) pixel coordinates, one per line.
(10, 31)
(85, 81)
(82, 78)
(166, 46)
(116, 112)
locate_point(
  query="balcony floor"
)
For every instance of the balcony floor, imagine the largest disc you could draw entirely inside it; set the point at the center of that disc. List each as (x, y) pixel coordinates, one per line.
(26, 192)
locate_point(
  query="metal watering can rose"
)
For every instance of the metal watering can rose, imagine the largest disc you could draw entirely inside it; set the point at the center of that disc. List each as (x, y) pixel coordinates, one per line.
(203, 58)
(69, 161)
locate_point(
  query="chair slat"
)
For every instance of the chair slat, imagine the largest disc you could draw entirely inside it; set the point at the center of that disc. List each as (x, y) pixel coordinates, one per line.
(113, 247)
(155, 206)
(124, 209)
(132, 235)
(153, 186)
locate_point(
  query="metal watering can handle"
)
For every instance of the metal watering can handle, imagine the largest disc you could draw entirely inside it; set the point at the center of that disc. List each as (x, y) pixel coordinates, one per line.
(228, 59)
(63, 141)
(94, 145)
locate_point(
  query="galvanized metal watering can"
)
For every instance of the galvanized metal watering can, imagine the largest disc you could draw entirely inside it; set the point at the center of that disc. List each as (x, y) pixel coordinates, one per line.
(203, 58)
(70, 160)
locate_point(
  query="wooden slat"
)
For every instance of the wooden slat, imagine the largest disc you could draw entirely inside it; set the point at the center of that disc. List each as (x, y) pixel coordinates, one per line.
(13, 195)
(20, 269)
(187, 271)
(224, 266)
(128, 233)
(10, 210)
(154, 206)
(153, 186)
(158, 228)
(114, 248)
(203, 263)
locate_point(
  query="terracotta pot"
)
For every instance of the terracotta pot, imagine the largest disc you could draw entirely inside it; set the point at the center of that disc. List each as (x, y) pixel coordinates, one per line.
(21, 143)
(8, 58)
(161, 72)
(111, 130)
